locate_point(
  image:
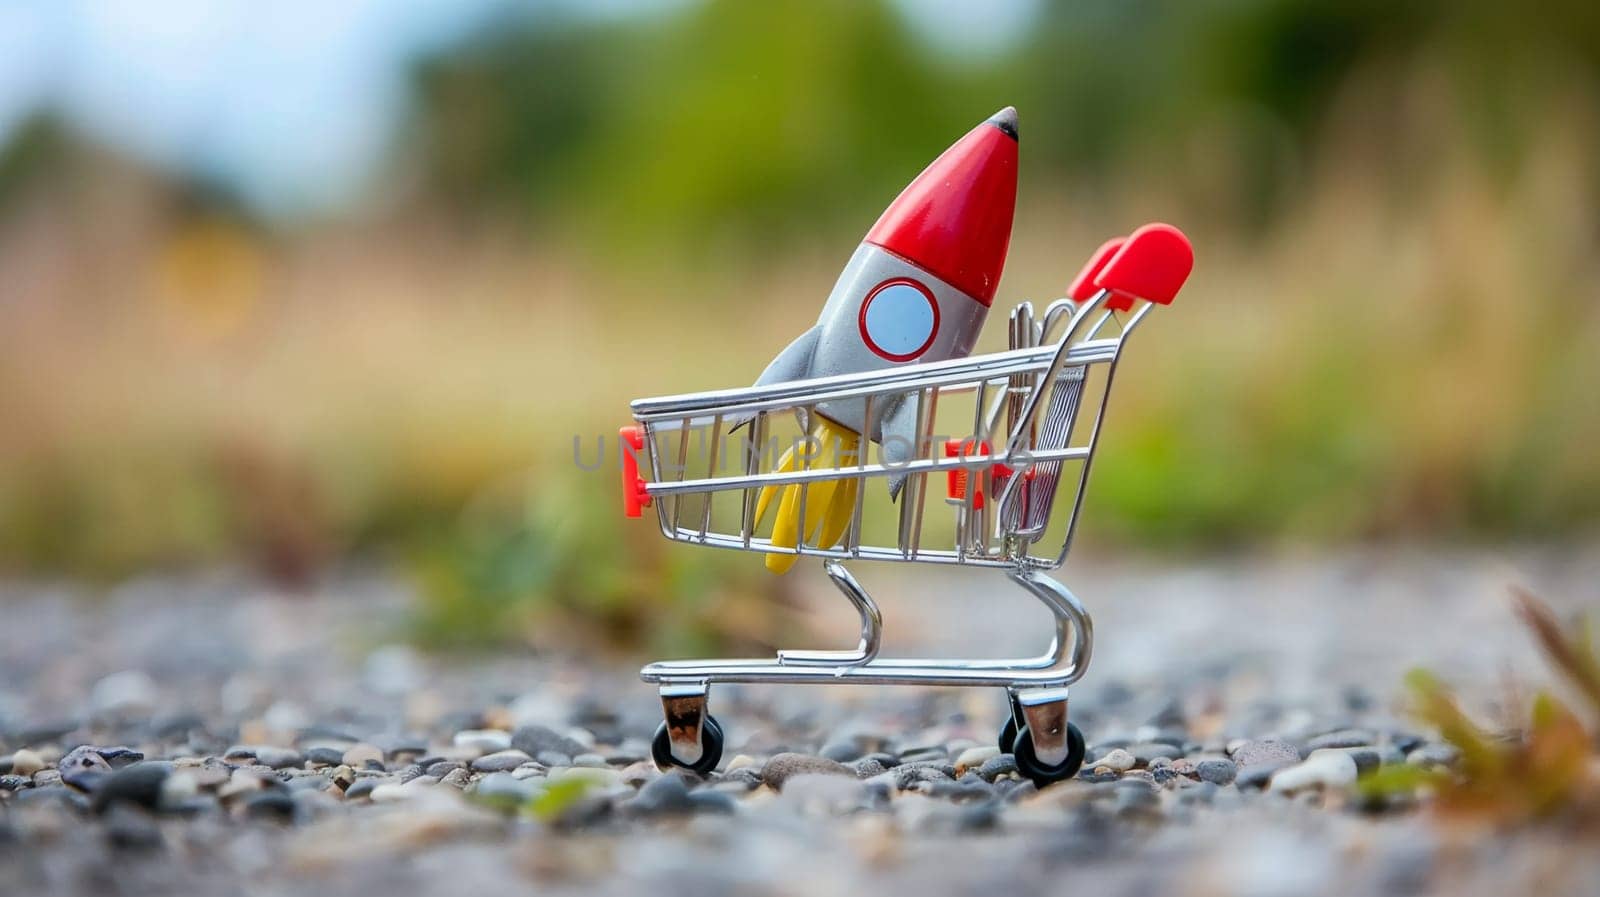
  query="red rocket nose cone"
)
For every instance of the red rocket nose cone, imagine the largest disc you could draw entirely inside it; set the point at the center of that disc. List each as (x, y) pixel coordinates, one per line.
(955, 219)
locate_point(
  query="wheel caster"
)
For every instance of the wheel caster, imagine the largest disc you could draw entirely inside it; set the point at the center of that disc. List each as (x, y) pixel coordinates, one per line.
(1008, 735)
(1029, 765)
(710, 748)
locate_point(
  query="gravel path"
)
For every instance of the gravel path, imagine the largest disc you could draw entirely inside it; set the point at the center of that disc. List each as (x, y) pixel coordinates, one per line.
(202, 734)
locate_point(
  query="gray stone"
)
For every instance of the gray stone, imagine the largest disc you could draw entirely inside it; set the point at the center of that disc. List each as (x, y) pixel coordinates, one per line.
(782, 767)
(1268, 750)
(997, 766)
(14, 782)
(275, 804)
(535, 740)
(867, 767)
(140, 784)
(363, 787)
(1257, 775)
(667, 795)
(83, 758)
(324, 756)
(1343, 738)
(1217, 771)
(501, 761)
(707, 800)
(554, 758)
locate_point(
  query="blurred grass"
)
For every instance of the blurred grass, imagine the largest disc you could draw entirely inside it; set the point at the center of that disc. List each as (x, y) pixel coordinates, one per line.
(1543, 768)
(1391, 331)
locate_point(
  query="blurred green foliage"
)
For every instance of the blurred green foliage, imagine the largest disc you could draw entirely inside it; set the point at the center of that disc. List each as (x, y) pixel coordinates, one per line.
(766, 119)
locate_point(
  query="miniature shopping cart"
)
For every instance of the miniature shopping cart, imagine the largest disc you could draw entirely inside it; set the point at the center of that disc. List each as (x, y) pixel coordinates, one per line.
(1005, 443)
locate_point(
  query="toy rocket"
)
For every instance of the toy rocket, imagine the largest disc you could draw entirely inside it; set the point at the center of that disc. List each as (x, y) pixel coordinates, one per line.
(916, 290)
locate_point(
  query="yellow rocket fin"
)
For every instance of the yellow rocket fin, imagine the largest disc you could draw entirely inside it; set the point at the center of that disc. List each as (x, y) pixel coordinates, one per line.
(829, 504)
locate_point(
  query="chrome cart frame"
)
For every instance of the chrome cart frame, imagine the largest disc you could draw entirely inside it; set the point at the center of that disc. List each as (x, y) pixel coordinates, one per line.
(1004, 479)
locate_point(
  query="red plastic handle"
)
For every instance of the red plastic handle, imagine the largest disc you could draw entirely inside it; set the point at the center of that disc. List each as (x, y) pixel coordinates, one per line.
(634, 495)
(1083, 288)
(1152, 265)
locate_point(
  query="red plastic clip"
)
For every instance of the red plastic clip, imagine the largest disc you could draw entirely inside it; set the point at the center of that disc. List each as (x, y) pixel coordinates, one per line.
(1152, 265)
(634, 494)
(956, 487)
(1083, 288)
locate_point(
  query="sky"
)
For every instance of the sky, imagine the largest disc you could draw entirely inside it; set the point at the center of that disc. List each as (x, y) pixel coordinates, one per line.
(292, 103)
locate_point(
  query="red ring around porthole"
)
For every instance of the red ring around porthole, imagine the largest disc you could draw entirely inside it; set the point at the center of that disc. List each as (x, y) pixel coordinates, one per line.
(866, 335)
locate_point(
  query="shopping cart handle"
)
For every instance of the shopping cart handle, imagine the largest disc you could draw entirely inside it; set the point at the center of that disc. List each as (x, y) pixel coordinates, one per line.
(634, 495)
(1152, 265)
(1083, 288)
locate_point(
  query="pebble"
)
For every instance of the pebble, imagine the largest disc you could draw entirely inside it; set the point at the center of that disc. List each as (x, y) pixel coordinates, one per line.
(362, 788)
(141, 784)
(867, 767)
(782, 767)
(710, 801)
(1343, 738)
(1252, 753)
(535, 740)
(1258, 775)
(554, 758)
(81, 759)
(487, 741)
(997, 766)
(972, 758)
(324, 756)
(1116, 760)
(276, 804)
(740, 762)
(25, 763)
(278, 757)
(501, 761)
(665, 796)
(360, 754)
(12, 782)
(1323, 769)
(590, 759)
(1216, 771)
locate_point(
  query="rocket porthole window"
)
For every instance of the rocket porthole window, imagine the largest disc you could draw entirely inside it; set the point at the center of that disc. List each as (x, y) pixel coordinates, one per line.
(899, 319)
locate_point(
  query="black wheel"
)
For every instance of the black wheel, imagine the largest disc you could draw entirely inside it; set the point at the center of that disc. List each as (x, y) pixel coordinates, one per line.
(1008, 735)
(1028, 762)
(710, 748)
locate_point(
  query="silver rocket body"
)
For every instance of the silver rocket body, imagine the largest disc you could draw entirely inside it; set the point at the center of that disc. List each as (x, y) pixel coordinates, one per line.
(884, 312)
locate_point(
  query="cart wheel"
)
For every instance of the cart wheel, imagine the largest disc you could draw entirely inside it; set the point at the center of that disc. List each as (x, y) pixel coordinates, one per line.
(710, 748)
(1028, 762)
(1008, 736)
